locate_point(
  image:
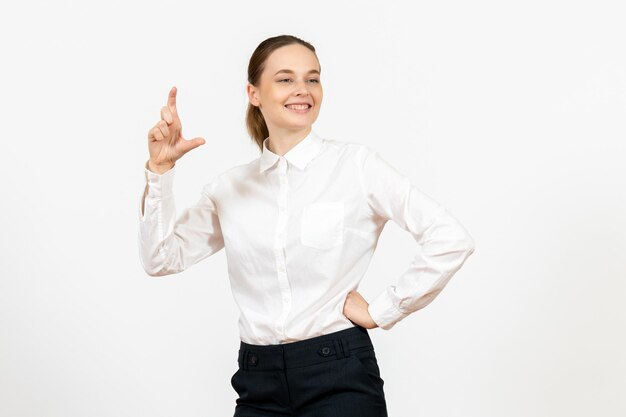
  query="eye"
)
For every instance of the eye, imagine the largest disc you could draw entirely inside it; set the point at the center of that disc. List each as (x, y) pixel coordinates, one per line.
(289, 79)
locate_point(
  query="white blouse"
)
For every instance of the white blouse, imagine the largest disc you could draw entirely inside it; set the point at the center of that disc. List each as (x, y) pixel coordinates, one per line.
(299, 231)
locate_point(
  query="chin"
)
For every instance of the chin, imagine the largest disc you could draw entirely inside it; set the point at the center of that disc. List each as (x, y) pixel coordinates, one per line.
(302, 125)
(290, 124)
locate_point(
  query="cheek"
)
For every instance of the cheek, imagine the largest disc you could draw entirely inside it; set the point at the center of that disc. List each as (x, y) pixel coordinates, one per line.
(279, 98)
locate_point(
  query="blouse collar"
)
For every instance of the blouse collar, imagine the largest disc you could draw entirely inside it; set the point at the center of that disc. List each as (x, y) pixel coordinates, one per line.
(300, 155)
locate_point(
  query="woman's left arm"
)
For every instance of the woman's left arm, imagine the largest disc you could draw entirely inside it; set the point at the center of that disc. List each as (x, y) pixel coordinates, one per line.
(445, 243)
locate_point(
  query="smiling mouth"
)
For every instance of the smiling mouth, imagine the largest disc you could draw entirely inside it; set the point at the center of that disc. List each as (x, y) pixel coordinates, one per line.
(298, 108)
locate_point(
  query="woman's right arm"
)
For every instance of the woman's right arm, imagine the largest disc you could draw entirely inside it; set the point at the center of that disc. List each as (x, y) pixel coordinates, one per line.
(168, 245)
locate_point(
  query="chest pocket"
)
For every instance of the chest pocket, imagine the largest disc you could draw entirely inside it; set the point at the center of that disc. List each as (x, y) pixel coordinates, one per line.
(321, 226)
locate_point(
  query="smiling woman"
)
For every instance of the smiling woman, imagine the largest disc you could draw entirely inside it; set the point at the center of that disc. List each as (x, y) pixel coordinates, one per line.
(299, 225)
(285, 91)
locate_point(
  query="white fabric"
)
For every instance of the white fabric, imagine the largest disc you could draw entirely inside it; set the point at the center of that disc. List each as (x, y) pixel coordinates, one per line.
(299, 231)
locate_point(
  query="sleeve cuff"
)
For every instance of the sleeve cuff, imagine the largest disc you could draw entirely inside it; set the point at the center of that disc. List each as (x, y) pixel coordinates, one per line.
(160, 185)
(384, 312)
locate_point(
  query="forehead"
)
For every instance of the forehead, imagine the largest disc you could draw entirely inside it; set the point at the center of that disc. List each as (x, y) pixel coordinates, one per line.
(294, 57)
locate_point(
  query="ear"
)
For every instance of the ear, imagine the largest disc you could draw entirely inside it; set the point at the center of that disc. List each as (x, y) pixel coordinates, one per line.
(253, 95)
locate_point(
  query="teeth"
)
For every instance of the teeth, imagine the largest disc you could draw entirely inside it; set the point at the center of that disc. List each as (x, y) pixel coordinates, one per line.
(298, 106)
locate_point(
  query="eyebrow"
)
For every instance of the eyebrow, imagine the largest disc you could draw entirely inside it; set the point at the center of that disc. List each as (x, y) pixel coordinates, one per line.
(291, 72)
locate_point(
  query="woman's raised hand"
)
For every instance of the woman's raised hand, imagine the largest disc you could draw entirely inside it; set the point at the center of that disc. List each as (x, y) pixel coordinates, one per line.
(165, 140)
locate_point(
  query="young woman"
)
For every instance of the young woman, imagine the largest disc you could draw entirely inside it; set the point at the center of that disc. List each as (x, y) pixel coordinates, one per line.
(299, 225)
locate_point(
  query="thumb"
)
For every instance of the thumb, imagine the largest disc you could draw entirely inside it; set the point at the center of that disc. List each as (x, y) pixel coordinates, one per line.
(188, 145)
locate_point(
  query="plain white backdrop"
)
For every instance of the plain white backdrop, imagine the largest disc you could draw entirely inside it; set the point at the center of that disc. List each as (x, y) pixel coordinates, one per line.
(510, 114)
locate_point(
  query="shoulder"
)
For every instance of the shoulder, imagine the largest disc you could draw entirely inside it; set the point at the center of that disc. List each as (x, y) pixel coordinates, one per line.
(352, 149)
(229, 176)
(368, 160)
(361, 154)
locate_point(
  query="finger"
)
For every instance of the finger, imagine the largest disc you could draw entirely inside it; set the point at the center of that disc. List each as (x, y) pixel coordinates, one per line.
(171, 100)
(151, 137)
(163, 128)
(166, 115)
(192, 144)
(156, 133)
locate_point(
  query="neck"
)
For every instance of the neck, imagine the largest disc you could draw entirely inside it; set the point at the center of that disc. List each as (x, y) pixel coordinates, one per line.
(280, 142)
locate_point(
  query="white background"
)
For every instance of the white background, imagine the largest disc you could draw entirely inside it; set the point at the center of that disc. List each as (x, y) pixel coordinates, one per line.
(510, 114)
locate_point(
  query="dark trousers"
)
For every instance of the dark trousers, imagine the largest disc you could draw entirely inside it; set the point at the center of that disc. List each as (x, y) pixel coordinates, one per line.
(333, 375)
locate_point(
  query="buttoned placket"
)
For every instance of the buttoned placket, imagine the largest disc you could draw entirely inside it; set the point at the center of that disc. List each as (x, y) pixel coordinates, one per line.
(279, 245)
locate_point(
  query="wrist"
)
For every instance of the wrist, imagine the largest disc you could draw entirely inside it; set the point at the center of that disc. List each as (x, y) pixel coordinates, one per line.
(159, 168)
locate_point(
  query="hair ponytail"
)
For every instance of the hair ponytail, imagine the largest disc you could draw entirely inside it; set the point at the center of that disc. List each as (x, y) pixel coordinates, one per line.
(255, 123)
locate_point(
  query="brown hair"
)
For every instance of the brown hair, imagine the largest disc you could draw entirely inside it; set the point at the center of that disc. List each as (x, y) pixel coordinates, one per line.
(255, 123)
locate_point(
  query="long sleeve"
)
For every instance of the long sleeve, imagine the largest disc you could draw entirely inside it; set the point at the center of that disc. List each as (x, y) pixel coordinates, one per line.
(445, 243)
(168, 245)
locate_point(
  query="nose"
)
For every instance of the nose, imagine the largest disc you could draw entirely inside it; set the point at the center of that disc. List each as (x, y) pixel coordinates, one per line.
(301, 88)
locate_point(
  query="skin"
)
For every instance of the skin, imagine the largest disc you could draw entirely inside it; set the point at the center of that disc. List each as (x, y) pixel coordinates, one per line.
(286, 128)
(166, 143)
(355, 309)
